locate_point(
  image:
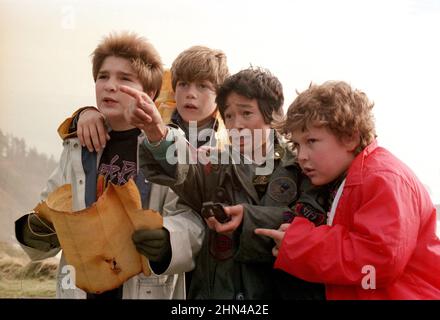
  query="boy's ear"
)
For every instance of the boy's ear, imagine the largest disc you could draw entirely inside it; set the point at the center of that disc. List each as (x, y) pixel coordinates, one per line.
(351, 143)
(152, 94)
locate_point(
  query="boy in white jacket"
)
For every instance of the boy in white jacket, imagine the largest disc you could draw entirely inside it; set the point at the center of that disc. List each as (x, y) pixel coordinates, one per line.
(120, 59)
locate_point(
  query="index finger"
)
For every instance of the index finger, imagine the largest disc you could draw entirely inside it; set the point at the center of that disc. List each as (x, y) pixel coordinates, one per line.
(271, 233)
(140, 96)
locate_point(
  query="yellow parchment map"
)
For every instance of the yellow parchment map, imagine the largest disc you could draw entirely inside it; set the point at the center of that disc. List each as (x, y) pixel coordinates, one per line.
(97, 241)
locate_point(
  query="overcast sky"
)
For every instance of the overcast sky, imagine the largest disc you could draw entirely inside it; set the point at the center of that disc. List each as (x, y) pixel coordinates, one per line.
(389, 49)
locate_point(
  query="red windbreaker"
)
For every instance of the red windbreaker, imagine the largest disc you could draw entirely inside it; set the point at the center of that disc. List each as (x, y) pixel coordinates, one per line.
(382, 244)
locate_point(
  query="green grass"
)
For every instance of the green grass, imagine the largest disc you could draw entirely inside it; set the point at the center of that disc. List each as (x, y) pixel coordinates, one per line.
(27, 288)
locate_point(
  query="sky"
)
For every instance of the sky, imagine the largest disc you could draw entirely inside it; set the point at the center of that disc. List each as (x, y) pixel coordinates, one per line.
(388, 49)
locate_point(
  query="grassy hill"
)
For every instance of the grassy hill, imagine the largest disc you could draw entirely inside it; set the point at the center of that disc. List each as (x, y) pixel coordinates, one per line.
(21, 278)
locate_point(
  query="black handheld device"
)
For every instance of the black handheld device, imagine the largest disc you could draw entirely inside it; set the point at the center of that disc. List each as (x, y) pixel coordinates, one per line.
(214, 209)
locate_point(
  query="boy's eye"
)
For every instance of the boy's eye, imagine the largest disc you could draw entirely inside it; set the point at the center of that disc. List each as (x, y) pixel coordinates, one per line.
(102, 76)
(311, 141)
(228, 116)
(181, 84)
(205, 86)
(247, 113)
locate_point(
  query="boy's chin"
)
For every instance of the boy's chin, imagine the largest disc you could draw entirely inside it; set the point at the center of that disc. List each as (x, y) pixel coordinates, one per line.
(317, 182)
(118, 123)
(112, 114)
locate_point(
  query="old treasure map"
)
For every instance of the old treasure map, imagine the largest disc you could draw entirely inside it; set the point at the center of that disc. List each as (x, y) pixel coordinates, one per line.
(97, 241)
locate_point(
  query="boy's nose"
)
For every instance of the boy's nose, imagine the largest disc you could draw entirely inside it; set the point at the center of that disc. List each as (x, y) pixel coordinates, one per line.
(191, 91)
(111, 85)
(238, 124)
(301, 154)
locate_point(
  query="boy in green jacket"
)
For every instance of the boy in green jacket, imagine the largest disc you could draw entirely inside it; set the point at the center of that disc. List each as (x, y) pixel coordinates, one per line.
(265, 181)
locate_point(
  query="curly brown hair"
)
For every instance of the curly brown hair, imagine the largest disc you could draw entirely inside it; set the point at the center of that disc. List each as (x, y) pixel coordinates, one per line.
(254, 83)
(200, 63)
(143, 57)
(336, 105)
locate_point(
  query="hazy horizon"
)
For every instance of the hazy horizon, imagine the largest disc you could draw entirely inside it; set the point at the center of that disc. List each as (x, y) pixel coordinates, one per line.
(389, 49)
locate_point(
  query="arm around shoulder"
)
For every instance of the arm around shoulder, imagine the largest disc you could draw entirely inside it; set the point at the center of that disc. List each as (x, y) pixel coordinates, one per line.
(67, 129)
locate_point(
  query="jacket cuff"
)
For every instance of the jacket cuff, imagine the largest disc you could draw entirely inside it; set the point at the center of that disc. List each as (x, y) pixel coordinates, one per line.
(181, 255)
(64, 128)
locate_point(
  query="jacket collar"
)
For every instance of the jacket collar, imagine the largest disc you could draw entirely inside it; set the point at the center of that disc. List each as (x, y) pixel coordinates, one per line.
(356, 170)
(285, 157)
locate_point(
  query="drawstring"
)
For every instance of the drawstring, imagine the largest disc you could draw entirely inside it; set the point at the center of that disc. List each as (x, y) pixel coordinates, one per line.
(33, 214)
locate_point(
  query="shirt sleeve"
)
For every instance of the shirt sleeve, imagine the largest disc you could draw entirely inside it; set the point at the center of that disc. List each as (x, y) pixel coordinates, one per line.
(170, 164)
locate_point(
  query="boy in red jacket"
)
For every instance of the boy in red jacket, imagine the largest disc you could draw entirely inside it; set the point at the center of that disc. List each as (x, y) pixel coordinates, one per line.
(379, 241)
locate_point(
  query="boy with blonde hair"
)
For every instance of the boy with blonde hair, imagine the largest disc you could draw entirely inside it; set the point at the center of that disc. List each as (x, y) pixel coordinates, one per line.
(379, 241)
(205, 69)
(195, 75)
(120, 59)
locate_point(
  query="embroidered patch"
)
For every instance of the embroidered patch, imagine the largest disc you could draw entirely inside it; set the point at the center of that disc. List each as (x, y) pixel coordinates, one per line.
(220, 246)
(307, 211)
(282, 189)
(260, 180)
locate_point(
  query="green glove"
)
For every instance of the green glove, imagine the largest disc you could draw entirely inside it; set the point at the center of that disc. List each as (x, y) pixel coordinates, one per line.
(39, 233)
(154, 244)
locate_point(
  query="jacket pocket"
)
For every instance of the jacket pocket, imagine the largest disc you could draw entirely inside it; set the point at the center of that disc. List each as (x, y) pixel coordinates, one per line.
(156, 287)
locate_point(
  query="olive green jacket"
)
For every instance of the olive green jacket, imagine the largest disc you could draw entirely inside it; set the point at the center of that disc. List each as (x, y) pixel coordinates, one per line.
(239, 266)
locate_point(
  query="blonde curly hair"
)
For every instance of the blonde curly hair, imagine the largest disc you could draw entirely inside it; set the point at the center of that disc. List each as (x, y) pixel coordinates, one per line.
(336, 105)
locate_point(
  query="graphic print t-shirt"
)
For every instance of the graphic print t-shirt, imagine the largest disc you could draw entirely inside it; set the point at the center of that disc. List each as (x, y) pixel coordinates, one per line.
(118, 161)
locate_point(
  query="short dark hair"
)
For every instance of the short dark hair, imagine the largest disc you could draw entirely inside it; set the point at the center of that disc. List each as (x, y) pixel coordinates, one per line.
(254, 83)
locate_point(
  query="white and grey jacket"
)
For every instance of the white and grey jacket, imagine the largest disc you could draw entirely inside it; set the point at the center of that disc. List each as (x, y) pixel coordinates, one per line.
(78, 167)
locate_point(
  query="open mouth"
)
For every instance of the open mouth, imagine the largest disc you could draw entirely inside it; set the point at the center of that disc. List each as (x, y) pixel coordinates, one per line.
(190, 107)
(109, 100)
